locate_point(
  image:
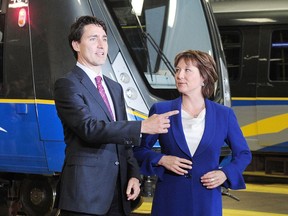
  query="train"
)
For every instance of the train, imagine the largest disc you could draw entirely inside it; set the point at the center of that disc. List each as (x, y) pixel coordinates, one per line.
(143, 38)
(254, 36)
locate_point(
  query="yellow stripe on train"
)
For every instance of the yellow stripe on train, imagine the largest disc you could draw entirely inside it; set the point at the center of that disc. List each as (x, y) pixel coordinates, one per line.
(269, 125)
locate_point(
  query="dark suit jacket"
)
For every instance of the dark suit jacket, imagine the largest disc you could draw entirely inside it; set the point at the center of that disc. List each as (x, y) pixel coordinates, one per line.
(97, 148)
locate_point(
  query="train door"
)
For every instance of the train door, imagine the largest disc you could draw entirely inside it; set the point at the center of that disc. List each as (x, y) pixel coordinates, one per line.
(242, 55)
(52, 57)
(272, 85)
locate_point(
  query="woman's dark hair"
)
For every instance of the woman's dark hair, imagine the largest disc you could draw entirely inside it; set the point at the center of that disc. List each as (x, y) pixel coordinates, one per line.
(76, 30)
(206, 65)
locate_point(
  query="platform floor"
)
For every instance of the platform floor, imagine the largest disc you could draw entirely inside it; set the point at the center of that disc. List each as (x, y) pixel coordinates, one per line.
(265, 195)
(266, 198)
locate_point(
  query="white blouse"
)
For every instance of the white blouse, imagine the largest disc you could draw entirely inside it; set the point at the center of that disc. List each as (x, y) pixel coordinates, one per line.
(193, 129)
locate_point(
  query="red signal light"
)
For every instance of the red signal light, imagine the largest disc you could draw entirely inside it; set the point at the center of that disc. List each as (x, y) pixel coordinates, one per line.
(22, 17)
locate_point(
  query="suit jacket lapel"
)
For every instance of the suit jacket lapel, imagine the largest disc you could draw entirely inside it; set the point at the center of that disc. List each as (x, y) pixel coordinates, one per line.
(86, 82)
(115, 96)
(209, 130)
(177, 128)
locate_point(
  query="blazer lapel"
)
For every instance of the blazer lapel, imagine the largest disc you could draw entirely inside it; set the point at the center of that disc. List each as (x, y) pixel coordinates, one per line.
(177, 128)
(115, 96)
(86, 82)
(209, 130)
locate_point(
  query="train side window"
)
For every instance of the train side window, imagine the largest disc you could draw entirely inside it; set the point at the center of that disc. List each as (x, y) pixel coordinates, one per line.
(232, 48)
(279, 56)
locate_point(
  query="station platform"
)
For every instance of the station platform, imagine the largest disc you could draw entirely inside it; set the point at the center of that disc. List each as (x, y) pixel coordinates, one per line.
(264, 198)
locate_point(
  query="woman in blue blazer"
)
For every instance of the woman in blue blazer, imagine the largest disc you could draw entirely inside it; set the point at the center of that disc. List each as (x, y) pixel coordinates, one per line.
(189, 177)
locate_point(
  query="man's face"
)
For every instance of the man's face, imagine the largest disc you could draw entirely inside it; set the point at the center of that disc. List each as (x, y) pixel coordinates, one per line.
(93, 46)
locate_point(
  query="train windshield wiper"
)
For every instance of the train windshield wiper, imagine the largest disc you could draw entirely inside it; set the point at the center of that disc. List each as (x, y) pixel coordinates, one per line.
(145, 36)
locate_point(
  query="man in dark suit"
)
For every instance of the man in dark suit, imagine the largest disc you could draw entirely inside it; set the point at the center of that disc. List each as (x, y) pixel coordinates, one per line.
(100, 175)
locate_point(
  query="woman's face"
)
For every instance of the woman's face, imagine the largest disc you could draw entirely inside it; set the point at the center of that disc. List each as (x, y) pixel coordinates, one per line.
(188, 78)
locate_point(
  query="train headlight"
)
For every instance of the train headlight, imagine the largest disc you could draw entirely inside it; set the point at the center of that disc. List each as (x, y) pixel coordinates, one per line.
(124, 77)
(131, 93)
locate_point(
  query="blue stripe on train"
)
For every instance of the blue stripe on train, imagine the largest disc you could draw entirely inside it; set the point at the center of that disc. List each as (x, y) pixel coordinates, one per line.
(282, 147)
(255, 102)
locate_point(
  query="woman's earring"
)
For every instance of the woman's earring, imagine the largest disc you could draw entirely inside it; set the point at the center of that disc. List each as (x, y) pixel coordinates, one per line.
(203, 84)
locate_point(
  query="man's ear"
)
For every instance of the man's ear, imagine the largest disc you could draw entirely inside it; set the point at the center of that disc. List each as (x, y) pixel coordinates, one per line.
(75, 46)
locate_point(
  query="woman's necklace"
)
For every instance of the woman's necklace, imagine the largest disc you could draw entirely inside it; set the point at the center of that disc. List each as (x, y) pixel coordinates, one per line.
(194, 114)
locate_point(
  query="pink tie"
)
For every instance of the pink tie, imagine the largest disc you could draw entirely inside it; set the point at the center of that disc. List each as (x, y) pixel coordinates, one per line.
(103, 94)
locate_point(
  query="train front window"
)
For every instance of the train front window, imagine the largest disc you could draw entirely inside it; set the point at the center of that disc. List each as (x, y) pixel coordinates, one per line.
(159, 33)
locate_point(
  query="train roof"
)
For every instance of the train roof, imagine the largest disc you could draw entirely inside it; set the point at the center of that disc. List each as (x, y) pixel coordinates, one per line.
(250, 12)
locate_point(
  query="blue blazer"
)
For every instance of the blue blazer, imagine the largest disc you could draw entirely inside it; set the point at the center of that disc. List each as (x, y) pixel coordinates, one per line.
(177, 195)
(98, 150)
